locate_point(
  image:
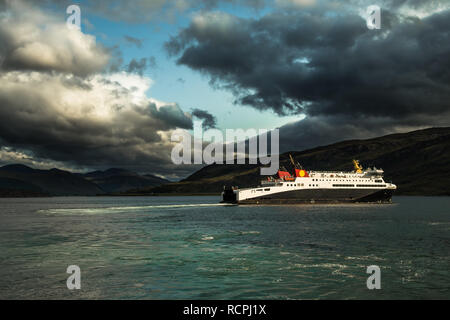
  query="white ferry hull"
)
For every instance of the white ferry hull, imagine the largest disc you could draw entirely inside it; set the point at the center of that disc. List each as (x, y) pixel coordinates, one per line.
(312, 196)
(316, 187)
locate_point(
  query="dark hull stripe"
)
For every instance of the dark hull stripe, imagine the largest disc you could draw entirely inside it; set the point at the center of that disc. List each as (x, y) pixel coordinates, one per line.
(320, 196)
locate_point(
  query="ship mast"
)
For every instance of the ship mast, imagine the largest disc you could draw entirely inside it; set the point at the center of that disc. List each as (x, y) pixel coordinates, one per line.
(296, 165)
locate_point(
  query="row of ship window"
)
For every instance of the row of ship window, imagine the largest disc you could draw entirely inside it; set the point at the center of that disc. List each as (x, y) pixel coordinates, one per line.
(378, 181)
(334, 185)
(300, 185)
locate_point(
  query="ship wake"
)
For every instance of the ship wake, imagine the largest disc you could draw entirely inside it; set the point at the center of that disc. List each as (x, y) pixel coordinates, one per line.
(76, 211)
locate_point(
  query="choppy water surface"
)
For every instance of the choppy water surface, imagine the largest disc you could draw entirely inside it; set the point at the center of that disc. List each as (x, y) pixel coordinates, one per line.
(193, 248)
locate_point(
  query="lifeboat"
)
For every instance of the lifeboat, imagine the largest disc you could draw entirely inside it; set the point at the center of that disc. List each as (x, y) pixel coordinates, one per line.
(285, 175)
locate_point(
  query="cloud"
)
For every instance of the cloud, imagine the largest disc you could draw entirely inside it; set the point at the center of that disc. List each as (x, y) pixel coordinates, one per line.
(322, 130)
(139, 66)
(33, 40)
(298, 3)
(159, 10)
(417, 8)
(59, 106)
(209, 121)
(135, 41)
(104, 120)
(329, 67)
(143, 11)
(116, 61)
(9, 155)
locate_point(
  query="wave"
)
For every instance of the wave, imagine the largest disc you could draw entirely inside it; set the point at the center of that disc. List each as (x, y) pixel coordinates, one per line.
(125, 209)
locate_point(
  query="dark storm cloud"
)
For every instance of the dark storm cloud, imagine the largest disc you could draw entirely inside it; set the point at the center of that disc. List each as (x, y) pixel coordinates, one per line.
(331, 68)
(87, 122)
(172, 116)
(57, 105)
(395, 4)
(209, 121)
(59, 108)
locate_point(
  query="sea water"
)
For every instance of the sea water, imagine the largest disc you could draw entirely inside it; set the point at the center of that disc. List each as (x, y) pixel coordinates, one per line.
(195, 248)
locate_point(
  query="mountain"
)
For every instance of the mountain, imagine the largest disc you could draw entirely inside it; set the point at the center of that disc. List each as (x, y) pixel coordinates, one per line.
(418, 162)
(119, 180)
(17, 188)
(20, 180)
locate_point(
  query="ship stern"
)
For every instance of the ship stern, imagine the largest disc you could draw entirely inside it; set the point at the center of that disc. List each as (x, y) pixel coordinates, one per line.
(228, 195)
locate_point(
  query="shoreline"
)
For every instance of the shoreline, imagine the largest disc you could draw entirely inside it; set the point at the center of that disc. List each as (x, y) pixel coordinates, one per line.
(171, 195)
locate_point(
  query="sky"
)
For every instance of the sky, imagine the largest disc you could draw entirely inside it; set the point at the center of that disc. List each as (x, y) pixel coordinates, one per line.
(112, 93)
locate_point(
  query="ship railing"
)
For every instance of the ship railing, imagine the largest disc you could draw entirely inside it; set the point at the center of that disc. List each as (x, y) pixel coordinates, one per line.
(364, 173)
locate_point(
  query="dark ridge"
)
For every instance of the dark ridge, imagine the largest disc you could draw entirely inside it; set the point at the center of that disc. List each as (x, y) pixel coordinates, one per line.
(16, 168)
(120, 180)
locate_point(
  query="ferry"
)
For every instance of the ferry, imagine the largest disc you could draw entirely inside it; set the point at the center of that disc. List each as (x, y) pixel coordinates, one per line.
(310, 187)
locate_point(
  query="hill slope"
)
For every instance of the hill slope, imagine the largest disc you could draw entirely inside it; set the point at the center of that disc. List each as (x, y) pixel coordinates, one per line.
(120, 180)
(417, 162)
(20, 180)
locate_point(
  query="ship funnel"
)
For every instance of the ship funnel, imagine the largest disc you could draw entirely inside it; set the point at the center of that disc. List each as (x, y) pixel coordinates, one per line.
(358, 167)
